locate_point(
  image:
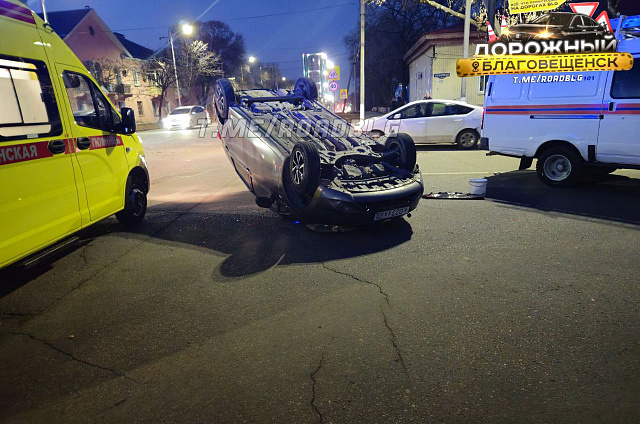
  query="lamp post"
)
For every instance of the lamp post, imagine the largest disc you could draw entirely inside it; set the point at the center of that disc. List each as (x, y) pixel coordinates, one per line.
(186, 30)
(362, 60)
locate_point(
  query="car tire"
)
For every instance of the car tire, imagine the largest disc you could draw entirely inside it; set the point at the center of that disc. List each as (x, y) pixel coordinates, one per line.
(560, 166)
(306, 88)
(406, 148)
(467, 139)
(224, 97)
(304, 168)
(135, 203)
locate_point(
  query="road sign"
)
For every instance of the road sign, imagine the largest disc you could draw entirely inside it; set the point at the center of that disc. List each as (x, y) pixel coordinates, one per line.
(334, 73)
(333, 86)
(344, 94)
(603, 18)
(587, 8)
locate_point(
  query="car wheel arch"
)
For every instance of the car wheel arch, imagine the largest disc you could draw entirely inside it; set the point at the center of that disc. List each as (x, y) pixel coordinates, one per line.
(138, 173)
(555, 143)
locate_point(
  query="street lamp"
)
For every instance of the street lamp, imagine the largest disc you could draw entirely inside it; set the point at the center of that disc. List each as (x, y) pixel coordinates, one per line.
(252, 59)
(186, 30)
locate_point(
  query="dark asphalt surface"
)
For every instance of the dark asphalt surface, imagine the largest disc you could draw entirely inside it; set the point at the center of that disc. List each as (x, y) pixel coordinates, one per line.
(520, 308)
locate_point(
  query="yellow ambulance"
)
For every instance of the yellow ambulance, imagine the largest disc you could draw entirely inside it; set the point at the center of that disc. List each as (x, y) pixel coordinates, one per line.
(67, 158)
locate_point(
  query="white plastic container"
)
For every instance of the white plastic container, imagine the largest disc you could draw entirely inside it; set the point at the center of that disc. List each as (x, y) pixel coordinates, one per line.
(478, 186)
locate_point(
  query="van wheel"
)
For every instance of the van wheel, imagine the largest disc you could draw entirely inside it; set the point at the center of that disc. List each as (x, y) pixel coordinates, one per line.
(560, 167)
(467, 139)
(135, 205)
(224, 97)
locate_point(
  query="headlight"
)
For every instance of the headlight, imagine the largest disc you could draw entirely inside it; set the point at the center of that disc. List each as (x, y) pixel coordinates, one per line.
(544, 34)
(506, 31)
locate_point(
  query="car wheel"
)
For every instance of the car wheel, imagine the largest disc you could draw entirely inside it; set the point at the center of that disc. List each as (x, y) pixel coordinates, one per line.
(304, 168)
(135, 204)
(467, 139)
(306, 88)
(402, 151)
(224, 97)
(560, 166)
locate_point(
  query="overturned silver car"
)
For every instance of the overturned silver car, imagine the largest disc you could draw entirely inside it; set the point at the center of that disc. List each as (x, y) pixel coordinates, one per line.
(306, 163)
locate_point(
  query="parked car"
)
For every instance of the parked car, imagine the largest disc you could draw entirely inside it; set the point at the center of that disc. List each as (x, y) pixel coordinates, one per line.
(574, 124)
(431, 121)
(297, 156)
(186, 117)
(556, 26)
(67, 158)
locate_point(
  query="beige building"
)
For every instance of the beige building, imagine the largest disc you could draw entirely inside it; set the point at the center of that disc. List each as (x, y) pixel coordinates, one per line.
(432, 66)
(116, 62)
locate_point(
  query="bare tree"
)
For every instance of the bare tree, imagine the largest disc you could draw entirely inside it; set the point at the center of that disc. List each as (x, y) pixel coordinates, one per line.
(197, 64)
(159, 72)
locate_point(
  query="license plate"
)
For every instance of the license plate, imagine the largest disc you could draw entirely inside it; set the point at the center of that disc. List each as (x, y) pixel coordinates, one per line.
(390, 214)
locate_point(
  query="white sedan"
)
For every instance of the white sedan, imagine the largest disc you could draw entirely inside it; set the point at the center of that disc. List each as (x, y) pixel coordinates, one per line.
(187, 117)
(431, 121)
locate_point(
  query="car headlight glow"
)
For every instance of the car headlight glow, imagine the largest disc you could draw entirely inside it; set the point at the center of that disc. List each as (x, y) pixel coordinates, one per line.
(544, 34)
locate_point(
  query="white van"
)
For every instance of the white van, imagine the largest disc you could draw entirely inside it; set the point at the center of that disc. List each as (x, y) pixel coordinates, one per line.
(574, 123)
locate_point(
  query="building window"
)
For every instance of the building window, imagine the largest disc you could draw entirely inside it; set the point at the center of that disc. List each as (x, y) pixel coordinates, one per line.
(91, 31)
(482, 83)
(140, 109)
(124, 72)
(156, 108)
(136, 78)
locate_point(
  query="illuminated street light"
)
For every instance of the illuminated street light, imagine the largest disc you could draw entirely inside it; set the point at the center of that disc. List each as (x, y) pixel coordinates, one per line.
(284, 79)
(187, 29)
(330, 64)
(252, 59)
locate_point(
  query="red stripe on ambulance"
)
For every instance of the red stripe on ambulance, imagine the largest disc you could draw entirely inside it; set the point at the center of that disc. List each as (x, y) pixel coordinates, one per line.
(105, 141)
(24, 152)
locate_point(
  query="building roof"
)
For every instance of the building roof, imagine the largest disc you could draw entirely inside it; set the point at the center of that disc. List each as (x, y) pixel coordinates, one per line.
(448, 34)
(136, 50)
(64, 21)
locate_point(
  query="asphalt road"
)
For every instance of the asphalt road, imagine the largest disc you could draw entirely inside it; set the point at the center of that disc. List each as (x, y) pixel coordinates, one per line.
(522, 308)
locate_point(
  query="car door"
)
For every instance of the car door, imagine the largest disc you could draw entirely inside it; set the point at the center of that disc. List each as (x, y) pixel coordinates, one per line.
(409, 120)
(38, 198)
(97, 148)
(442, 122)
(618, 140)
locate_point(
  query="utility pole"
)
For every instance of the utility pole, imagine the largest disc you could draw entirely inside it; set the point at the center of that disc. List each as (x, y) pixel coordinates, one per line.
(175, 67)
(362, 59)
(44, 13)
(465, 48)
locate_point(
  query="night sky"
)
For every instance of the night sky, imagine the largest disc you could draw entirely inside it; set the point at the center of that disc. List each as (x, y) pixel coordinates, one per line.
(280, 38)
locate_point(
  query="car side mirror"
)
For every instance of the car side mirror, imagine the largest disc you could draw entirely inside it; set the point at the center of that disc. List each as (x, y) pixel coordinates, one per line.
(128, 125)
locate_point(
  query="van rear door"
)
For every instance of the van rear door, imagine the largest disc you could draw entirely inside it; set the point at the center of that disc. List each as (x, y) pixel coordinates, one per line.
(619, 135)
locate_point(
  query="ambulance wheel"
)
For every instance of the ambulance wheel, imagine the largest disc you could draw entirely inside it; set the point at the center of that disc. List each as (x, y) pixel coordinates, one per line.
(467, 139)
(224, 96)
(560, 166)
(404, 148)
(306, 88)
(304, 168)
(135, 204)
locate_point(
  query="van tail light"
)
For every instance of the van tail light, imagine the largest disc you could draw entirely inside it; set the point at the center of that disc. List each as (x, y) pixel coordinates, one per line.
(482, 123)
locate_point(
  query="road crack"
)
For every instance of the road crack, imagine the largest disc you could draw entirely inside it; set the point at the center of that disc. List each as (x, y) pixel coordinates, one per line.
(313, 390)
(392, 334)
(73, 357)
(382, 292)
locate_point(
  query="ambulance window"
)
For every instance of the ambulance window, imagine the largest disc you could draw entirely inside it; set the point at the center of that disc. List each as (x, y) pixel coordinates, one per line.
(89, 106)
(626, 84)
(27, 106)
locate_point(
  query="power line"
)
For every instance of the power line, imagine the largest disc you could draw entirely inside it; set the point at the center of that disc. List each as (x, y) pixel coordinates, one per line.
(249, 17)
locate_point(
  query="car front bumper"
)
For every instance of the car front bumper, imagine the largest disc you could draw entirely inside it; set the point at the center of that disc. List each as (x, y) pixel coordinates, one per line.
(336, 207)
